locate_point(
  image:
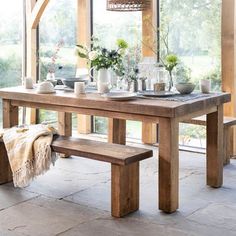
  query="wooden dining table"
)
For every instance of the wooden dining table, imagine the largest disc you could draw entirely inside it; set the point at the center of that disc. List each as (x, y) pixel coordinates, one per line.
(168, 114)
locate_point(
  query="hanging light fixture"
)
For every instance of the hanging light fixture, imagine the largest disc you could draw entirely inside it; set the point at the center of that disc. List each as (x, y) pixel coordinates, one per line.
(127, 5)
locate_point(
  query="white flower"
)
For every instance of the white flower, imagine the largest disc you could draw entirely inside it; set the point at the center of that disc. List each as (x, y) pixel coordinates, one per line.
(122, 51)
(93, 55)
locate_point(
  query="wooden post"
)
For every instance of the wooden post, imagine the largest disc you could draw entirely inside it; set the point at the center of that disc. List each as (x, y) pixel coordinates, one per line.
(83, 37)
(149, 130)
(228, 62)
(124, 179)
(215, 148)
(168, 165)
(31, 59)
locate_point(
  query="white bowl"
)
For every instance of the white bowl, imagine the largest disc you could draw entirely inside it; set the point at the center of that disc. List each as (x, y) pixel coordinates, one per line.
(185, 88)
(45, 87)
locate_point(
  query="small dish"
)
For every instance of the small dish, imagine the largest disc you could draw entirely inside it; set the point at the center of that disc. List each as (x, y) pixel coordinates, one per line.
(120, 96)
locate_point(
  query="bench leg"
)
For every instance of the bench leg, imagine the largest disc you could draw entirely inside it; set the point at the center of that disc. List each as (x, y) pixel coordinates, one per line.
(5, 169)
(124, 189)
(227, 145)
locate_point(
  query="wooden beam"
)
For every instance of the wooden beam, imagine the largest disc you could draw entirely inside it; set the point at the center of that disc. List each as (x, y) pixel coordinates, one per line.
(228, 61)
(31, 55)
(83, 37)
(149, 130)
(37, 12)
(149, 16)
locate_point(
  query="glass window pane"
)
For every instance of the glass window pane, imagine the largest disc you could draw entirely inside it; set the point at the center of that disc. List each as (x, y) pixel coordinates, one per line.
(194, 34)
(57, 35)
(108, 27)
(11, 19)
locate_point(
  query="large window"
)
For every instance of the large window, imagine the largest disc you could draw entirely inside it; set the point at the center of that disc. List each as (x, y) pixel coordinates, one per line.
(11, 19)
(194, 35)
(57, 40)
(108, 27)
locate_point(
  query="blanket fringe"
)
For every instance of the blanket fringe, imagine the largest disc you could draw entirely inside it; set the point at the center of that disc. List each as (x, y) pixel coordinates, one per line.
(35, 167)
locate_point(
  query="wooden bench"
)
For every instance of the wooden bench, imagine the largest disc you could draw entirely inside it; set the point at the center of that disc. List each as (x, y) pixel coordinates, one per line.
(124, 167)
(227, 144)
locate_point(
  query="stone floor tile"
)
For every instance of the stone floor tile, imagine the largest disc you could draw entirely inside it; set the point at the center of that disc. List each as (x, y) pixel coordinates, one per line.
(45, 217)
(58, 183)
(98, 196)
(216, 214)
(10, 196)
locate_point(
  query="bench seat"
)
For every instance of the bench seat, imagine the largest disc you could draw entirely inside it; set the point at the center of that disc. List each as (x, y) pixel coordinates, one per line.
(101, 151)
(227, 144)
(124, 167)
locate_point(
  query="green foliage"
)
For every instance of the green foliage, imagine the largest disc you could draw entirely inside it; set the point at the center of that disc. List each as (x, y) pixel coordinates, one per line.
(10, 71)
(215, 77)
(183, 73)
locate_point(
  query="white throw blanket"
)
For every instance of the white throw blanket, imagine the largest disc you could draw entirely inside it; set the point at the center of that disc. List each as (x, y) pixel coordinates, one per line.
(29, 151)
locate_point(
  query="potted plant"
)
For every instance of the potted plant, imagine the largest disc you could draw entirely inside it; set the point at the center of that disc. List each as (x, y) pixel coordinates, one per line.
(183, 79)
(160, 47)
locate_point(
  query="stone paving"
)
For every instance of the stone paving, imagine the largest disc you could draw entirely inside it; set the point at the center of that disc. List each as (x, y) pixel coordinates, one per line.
(73, 199)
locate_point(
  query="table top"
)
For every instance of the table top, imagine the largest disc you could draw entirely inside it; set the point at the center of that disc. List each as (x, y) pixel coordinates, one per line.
(151, 107)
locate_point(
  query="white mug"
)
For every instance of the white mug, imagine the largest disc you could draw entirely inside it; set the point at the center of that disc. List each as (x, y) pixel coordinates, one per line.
(28, 83)
(79, 88)
(205, 85)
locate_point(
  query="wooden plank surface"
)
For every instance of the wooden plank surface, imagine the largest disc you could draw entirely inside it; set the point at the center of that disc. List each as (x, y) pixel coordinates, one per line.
(151, 107)
(112, 153)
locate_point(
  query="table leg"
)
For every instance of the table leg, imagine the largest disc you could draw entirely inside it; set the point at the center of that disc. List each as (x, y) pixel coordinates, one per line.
(117, 131)
(215, 148)
(10, 114)
(168, 165)
(64, 126)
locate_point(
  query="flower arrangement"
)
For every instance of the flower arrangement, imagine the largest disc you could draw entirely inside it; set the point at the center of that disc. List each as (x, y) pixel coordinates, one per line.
(102, 58)
(54, 57)
(48, 67)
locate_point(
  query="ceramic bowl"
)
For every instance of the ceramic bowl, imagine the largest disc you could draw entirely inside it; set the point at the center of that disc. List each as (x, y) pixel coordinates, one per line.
(70, 82)
(45, 87)
(185, 88)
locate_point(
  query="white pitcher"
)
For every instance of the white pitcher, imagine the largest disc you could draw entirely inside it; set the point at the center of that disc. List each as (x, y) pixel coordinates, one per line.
(103, 81)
